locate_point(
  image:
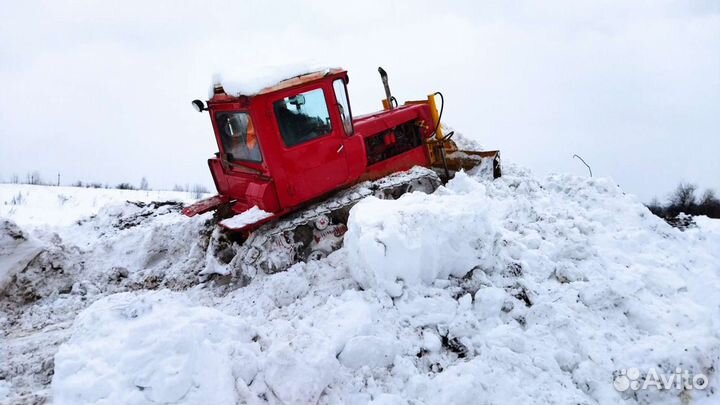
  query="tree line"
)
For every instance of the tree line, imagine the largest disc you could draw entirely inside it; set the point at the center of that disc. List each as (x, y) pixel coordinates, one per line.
(686, 199)
(34, 178)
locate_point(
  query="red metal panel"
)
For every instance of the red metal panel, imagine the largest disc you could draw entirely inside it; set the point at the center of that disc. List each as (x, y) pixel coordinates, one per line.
(381, 121)
(205, 205)
(355, 156)
(405, 161)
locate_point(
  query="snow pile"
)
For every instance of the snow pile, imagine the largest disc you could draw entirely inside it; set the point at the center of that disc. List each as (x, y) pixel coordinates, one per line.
(249, 82)
(246, 218)
(156, 348)
(125, 246)
(508, 291)
(572, 281)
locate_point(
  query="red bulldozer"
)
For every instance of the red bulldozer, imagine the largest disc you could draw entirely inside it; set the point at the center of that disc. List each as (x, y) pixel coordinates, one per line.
(293, 160)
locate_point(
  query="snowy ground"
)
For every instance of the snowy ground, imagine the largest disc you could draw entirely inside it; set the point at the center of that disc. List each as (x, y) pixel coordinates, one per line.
(520, 290)
(43, 206)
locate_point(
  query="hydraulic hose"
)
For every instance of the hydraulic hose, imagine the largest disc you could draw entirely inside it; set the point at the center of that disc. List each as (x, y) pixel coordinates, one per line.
(440, 113)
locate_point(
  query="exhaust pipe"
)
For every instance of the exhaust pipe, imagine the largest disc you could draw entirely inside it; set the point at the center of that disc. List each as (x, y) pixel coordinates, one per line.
(388, 102)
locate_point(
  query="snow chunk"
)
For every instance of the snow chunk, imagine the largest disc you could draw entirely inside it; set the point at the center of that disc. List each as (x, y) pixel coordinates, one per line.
(17, 249)
(489, 301)
(370, 351)
(288, 287)
(153, 348)
(419, 238)
(246, 218)
(4, 389)
(299, 378)
(249, 83)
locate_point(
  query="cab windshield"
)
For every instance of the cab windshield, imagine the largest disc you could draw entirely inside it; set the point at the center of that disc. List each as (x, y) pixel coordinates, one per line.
(238, 137)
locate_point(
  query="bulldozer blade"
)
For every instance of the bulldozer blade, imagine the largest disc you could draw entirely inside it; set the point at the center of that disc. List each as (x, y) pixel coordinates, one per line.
(466, 159)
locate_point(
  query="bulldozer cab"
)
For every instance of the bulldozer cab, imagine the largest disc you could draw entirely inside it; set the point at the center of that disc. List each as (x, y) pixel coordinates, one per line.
(291, 135)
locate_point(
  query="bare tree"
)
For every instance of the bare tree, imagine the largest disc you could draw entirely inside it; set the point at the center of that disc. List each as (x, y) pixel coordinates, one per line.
(656, 208)
(33, 178)
(125, 186)
(144, 184)
(708, 196)
(198, 190)
(709, 204)
(683, 199)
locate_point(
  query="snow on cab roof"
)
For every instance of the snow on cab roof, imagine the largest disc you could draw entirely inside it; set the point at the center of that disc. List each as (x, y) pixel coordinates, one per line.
(268, 79)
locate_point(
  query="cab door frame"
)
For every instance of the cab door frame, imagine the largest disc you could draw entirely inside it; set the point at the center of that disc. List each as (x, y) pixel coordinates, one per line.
(313, 168)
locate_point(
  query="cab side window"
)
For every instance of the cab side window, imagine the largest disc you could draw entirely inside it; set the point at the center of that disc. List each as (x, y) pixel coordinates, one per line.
(302, 117)
(238, 137)
(343, 105)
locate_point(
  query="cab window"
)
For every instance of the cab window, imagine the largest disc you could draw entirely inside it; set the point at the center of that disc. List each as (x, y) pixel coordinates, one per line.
(302, 117)
(343, 105)
(238, 137)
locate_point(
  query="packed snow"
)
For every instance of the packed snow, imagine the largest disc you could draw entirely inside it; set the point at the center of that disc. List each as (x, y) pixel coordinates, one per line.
(246, 218)
(517, 290)
(248, 83)
(194, 357)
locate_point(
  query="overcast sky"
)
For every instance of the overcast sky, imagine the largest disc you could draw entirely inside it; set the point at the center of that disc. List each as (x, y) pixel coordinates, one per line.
(101, 91)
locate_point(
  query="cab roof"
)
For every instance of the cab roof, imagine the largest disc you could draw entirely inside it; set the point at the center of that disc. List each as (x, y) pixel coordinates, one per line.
(301, 79)
(222, 89)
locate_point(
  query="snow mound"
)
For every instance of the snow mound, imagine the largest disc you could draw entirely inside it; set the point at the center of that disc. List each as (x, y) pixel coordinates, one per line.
(115, 246)
(153, 348)
(158, 347)
(516, 290)
(565, 282)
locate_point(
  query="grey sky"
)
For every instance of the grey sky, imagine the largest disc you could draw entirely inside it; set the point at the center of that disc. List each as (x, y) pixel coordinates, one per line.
(101, 91)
